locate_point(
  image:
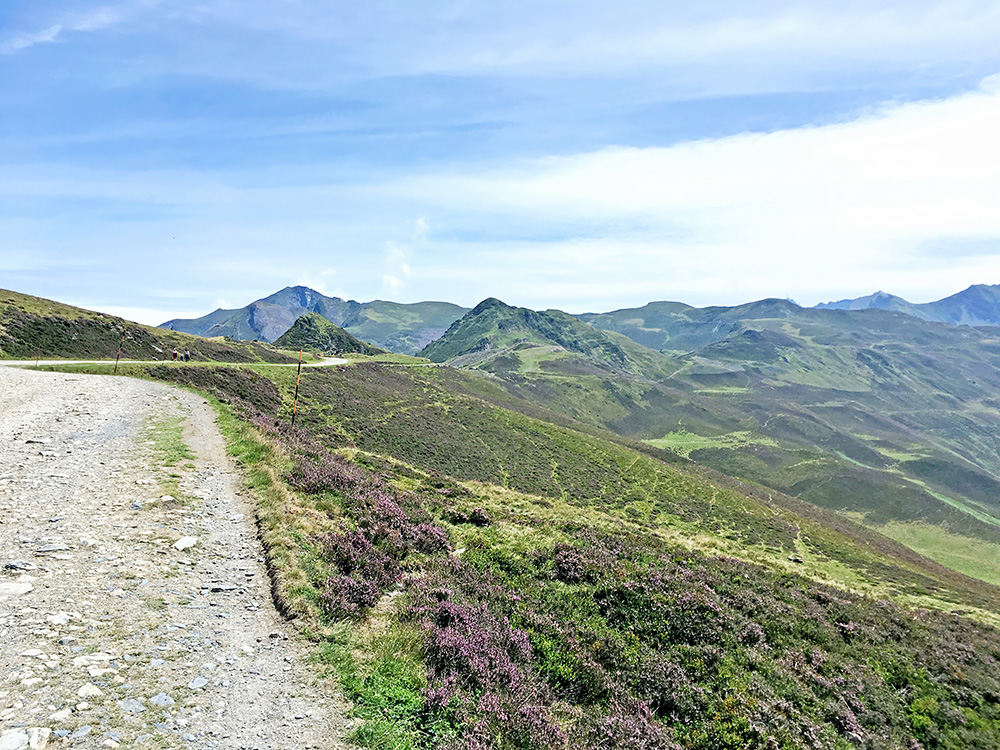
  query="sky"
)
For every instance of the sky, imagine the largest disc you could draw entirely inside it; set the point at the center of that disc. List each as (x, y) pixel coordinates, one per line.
(163, 159)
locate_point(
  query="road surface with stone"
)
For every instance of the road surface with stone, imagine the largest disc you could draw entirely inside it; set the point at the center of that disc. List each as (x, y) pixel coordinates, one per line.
(129, 617)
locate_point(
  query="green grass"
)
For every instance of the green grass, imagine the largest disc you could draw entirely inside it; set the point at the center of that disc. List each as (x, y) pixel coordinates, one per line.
(972, 557)
(684, 442)
(388, 359)
(286, 522)
(166, 435)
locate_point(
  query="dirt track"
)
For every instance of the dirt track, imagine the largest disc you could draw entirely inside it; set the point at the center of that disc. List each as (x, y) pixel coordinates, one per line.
(112, 630)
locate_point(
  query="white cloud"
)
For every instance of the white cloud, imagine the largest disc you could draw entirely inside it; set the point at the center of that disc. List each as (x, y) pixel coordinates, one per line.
(563, 36)
(801, 212)
(639, 35)
(322, 281)
(397, 268)
(25, 40)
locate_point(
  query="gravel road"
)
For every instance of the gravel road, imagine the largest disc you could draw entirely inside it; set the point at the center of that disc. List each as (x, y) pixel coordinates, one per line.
(128, 617)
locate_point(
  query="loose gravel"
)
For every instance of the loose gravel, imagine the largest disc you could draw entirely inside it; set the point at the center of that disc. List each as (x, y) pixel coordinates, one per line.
(129, 616)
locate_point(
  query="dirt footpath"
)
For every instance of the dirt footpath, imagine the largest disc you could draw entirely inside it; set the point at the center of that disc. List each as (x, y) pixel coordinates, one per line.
(127, 617)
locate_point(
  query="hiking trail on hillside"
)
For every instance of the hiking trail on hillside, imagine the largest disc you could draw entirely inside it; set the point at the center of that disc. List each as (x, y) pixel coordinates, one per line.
(129, 616)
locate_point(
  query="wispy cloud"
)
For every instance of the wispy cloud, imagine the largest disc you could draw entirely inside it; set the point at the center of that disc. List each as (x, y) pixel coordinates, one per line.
(695, 46)
(813, 213)
(92, 20)
(397, 264)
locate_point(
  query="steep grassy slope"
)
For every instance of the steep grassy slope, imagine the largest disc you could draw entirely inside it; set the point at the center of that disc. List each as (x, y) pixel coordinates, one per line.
(397, 327)
(566, 589)
(31, 326)
(316, 333)
(869, 412)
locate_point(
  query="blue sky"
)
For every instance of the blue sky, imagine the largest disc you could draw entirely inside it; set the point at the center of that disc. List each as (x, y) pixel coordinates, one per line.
(161, 159)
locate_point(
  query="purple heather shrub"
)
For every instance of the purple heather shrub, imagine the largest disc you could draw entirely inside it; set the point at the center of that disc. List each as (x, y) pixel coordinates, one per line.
(265, 422)
(452, 579)
(344, 596)
(570, 565)
(323, 473)
(352, 554)
(479, 517)
(627, 724)
(844, 719)
(476, 516)
(667, 688)
(429, 538)
(440, 694)
(481, 649)
(522, 719)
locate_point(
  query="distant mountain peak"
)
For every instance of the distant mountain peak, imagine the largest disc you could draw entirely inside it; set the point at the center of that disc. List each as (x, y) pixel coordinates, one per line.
(397, 327)
(978, 305)
(488, 303)
(313, 331)
(497, 337)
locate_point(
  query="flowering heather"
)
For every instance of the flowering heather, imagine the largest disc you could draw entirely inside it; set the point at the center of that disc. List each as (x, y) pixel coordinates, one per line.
(476, 647)
(324, 472)
(546, 634)
(344, 596)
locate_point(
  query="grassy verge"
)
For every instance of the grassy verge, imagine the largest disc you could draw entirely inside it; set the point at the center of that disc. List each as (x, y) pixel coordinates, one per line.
(287, 523)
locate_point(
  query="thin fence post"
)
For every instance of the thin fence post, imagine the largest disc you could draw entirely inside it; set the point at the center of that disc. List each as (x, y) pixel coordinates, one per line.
(119, 354)
(295, 400)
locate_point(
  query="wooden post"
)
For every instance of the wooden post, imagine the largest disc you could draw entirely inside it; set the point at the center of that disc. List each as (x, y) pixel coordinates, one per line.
(295, 401)
(119, 354)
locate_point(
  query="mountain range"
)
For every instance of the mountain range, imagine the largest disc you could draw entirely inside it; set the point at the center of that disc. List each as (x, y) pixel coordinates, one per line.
(402, 328)
(866, 406)
(882, 415)
(408, 328)
(979, 305)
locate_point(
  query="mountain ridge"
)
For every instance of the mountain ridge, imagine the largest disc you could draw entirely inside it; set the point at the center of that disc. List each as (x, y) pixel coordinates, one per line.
(399, 327)
(313, 331)
(501, 338)
(978, 305)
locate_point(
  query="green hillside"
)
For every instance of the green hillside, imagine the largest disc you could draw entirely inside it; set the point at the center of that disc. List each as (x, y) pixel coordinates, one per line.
(873, 413)
(523, 582)
(496, 560)
(503, 339)
(404, 329)
(316, 333)
(33, 327)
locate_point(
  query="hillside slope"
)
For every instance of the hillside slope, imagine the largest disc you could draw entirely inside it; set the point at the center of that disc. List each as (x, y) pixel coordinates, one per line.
(32, 326)
(540, 585)
(504, 339)
(869, 412)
